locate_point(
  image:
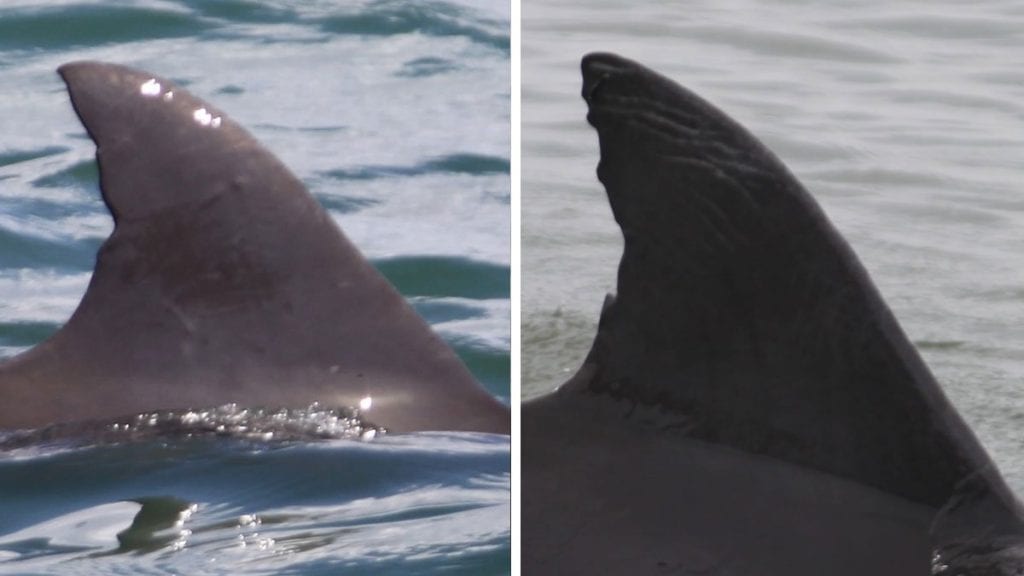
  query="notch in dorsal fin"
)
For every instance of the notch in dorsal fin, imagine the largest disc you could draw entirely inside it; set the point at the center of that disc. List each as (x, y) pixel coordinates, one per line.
(742, 312)
(225, 281)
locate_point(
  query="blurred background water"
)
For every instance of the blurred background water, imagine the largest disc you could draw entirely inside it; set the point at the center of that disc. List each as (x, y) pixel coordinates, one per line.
(904, 119)
(396, 115)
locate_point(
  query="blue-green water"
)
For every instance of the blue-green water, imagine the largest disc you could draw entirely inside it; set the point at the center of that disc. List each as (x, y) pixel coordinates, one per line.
(415, 504)
(396, 116)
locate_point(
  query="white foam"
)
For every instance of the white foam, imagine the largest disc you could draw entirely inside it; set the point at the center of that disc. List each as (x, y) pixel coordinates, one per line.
(490, 329)
(40, 295)
(434, 214)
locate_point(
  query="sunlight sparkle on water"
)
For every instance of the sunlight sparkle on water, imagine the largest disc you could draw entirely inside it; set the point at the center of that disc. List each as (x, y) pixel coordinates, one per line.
(184, 533)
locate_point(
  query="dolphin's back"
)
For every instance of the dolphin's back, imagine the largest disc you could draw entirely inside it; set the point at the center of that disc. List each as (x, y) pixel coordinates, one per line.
(745, 329)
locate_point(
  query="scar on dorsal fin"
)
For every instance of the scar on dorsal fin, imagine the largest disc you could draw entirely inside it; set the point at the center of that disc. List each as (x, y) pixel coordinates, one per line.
(225, 281)
(743, 313)
(749, 404)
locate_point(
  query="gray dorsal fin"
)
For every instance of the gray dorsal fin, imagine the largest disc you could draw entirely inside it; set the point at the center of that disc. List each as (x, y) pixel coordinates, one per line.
(742, 315)
(225, 281)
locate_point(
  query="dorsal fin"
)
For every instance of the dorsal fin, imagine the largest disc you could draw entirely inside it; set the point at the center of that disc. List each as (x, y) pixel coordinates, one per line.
(742, 315)
(225, 281)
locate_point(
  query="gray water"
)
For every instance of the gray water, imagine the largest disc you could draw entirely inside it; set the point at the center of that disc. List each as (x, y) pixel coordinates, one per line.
(905, 121)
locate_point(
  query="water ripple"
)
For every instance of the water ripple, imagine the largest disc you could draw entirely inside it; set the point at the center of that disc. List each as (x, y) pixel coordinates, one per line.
(89, 24)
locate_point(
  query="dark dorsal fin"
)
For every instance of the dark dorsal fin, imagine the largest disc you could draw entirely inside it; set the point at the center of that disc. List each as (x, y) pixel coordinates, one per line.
(225, 281)
(741, 314)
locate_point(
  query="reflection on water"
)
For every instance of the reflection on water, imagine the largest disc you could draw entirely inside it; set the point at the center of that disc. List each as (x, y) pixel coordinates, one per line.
(409, 504)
